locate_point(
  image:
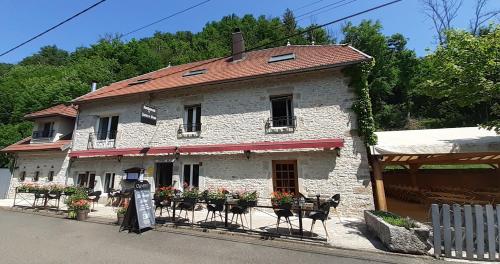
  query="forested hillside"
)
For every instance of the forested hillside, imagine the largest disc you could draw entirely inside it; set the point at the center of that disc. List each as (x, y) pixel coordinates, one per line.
(455, 86)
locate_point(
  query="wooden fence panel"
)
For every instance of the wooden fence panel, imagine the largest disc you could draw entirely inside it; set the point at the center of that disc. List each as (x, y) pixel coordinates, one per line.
(457, 222)
(469, 232)
(477, 224)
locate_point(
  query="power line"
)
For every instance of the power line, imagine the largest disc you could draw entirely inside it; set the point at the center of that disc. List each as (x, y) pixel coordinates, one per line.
(323, 11)
(165, 18)
(282, 39)
(54, 27)
(307, 13)
(310, 4)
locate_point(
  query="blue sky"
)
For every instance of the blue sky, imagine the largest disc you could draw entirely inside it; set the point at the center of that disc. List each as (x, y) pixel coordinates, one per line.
(20, 20)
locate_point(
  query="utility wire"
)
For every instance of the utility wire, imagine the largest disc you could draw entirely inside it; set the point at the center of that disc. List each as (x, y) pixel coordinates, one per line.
(165, 18)
(279, 40)
(310, 4)
(320, 8)
(323, 11)
(52, 28)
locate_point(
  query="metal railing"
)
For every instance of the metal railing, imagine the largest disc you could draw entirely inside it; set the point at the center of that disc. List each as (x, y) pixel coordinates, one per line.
(102, 140)
(188, 128)
(42, 134)
(282, 121)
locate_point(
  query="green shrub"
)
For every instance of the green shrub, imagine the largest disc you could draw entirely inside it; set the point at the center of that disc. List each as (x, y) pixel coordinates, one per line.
(396, 220)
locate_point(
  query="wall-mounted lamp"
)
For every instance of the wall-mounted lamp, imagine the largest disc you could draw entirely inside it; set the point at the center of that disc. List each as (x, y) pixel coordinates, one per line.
(247, 153)
(119, 158)
(337, 151)
(177, 154)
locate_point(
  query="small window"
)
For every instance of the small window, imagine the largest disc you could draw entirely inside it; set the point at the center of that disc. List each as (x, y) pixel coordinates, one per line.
(191, 175)
(37, 176)
(282, 111)
(282, 57)
(140, 81)
(194, 72)
(107, 127)
(22, 176)
(192, 118)
(50, 177)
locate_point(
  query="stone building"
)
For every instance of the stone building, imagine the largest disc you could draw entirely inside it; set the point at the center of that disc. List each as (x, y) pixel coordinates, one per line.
(43, 157)
(277, 119)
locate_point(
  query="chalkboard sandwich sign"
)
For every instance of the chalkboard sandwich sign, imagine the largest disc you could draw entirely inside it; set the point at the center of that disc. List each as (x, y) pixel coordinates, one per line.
(140, 214)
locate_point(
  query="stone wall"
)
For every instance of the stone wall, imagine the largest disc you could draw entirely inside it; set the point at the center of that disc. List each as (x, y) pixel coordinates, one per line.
(237, 113)
(42, 161)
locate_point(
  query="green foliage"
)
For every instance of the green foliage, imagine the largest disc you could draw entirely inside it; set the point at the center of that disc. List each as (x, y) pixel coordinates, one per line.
(465, 73)
(396, 220)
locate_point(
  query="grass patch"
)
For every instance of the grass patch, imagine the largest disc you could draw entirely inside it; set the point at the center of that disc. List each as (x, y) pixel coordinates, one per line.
(395, 220)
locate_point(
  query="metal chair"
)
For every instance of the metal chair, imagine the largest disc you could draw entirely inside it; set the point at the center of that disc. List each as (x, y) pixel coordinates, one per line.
(215, 206)
(188, 204)
(161, 203)
(321, 214)
(285, 213)
(94, 197)
(240, 210)
(335, 201)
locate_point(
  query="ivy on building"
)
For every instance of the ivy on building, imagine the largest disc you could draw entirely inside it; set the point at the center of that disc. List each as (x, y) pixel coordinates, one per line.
(362, 106)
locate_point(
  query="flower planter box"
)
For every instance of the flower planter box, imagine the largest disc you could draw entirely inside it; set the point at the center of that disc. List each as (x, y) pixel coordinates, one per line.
(82, 215)
(120, 219)
(399, 239)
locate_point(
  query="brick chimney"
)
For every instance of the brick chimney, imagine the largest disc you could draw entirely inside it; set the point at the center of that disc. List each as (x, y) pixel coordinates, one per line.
(238, 45)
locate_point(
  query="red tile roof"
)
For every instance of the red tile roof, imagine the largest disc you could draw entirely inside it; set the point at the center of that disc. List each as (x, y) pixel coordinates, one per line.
(220, 70)
(24, 145)
(58, 110)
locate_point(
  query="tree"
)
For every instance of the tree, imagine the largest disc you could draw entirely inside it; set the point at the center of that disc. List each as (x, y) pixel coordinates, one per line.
(442, 13)
(48, 55)
(465, 72)
(481, 16)
(390, 78)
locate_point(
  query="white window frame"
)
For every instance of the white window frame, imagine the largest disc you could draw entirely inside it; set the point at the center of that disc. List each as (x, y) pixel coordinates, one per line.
(190, 174)
(48, 176)
(186, 118)
(107, 142)
(111, 180)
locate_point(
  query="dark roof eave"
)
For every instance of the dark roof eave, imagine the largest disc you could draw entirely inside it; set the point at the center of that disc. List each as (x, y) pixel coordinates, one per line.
(322, 67)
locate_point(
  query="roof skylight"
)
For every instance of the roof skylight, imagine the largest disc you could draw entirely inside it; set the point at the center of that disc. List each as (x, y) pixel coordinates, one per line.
(194, 72)
(282, 57)
(145, 80)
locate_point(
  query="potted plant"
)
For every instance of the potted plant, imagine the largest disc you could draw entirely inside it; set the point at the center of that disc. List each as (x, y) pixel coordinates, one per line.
(120, 214)
(282, 200)
(250, 198)
(78, 204)
(82, 209)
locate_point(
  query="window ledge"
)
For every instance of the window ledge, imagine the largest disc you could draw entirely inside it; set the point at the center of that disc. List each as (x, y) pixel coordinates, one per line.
(189, 134)
(280, 130)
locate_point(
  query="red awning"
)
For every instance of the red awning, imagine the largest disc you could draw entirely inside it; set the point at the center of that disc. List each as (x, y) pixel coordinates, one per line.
(256, 146)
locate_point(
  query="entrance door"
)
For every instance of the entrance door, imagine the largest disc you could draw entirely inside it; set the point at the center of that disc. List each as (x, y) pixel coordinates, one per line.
(86, 180)
(164, 173)
(285, 178)
(109, 182)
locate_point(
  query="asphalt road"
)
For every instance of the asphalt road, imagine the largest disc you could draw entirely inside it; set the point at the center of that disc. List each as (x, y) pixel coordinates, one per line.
(27, 238)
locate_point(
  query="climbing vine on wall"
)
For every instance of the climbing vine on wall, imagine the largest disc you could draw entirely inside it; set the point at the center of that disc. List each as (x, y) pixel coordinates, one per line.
(362, 106)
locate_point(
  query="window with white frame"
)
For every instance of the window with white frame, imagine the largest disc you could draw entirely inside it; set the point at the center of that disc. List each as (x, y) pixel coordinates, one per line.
(109, 181)
(282, 111)
(22, 175)
(106, 127)
(50, 176)
(191, 175)
(36, 177)
(192, 118)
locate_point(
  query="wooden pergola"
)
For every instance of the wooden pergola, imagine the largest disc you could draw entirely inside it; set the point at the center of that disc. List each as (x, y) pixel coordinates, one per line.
(468, 146)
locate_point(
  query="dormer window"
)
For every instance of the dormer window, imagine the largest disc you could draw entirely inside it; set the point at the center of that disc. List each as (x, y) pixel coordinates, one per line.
(282, 57)
(194, 72)
(45, 130)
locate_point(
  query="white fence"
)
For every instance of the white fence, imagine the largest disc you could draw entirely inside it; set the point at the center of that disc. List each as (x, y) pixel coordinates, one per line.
(466, 232)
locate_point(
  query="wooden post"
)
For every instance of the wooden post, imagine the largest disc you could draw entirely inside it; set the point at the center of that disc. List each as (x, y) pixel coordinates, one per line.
(379, 184)
(413, 174)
